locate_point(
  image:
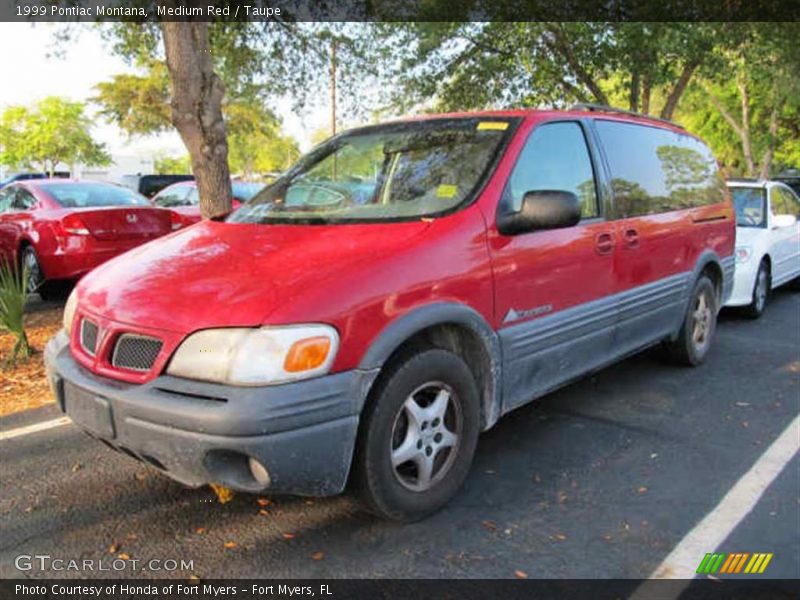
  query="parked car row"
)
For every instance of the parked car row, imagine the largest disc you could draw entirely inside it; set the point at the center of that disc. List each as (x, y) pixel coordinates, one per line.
(367, 315)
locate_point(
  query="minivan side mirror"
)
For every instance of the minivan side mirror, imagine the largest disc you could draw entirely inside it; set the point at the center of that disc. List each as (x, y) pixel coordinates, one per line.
(781, 221)
(542, 209)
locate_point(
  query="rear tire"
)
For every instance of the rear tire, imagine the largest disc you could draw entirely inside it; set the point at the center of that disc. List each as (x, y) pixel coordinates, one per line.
(418, 436)
(761, 288)
(694, 340)
(36, 282)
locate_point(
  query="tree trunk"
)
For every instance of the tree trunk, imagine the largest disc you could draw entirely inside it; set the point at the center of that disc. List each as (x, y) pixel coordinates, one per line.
(634, 91)
(646, 89)
(769, 153)
(677, 91)
(747, 145)
(742, 129)
(197, 111)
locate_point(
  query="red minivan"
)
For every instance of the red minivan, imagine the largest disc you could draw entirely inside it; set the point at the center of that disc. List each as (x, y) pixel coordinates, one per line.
(396, 292)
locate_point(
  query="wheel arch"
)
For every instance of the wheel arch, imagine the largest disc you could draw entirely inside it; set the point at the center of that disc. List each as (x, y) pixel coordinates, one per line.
(451, 326)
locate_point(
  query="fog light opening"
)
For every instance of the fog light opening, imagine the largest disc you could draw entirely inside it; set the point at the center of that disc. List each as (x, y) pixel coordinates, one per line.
(259, 472)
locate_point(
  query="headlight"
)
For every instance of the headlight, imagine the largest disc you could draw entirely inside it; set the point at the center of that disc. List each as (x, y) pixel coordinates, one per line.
(69, 311)
(256, 356)
(743, 254)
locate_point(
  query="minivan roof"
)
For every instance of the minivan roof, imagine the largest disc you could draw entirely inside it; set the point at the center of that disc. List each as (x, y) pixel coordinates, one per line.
(587, 111)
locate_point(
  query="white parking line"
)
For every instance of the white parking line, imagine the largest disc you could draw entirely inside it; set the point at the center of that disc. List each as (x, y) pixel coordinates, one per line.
(35, 428)
(717, 525)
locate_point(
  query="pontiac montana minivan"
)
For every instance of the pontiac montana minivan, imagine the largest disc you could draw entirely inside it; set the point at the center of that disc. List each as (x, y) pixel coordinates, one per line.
(362, 319)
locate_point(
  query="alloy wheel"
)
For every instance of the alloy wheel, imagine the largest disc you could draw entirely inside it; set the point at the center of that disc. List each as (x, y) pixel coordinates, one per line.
(426, 435)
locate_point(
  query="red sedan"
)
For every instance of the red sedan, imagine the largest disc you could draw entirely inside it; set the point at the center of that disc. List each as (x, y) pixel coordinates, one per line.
(182, 197)
(61, 229)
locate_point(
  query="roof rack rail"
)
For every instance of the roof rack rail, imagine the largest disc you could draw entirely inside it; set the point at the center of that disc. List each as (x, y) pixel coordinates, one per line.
(604, 108)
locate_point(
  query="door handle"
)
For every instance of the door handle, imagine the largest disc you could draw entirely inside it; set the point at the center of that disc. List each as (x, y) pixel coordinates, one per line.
(631, 238)
(604, 243)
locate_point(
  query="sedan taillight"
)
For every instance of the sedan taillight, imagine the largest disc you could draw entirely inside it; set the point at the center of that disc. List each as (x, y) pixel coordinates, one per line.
(73, 225)
(176, 220)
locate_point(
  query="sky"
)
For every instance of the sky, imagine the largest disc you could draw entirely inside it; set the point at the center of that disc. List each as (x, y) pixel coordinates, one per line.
(29, 72)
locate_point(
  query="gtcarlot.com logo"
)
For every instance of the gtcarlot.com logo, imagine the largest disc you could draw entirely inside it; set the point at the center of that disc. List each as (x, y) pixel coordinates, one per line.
(45, 562)
(737, 562)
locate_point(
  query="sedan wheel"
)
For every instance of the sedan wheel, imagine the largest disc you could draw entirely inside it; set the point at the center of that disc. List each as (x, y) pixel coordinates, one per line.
(30, 262)
(760, 293)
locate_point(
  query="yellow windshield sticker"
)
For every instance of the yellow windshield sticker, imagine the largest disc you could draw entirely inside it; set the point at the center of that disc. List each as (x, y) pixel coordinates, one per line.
(495, 125)
(446, 191)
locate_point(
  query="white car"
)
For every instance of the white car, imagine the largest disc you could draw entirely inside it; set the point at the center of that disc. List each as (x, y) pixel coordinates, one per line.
(767, 241)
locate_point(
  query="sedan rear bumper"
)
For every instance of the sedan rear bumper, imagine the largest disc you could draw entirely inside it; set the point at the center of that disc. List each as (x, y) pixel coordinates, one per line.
(301, 434)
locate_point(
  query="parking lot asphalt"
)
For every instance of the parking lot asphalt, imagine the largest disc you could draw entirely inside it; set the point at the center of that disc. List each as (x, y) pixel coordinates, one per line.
(601, 479)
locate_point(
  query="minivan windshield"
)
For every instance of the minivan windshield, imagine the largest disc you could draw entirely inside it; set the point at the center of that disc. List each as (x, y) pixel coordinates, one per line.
(397, 171)
(751, 206)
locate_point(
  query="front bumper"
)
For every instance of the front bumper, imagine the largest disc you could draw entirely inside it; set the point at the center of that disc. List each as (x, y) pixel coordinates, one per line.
(303, 433)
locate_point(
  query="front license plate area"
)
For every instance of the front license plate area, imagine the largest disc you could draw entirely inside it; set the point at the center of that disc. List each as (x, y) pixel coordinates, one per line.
(89, 410)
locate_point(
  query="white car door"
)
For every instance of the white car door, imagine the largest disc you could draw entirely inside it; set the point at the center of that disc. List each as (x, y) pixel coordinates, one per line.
(785, 236)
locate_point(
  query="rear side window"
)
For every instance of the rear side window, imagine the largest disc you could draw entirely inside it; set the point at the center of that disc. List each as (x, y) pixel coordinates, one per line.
(656, 170)
(555, 157)
(790, 204)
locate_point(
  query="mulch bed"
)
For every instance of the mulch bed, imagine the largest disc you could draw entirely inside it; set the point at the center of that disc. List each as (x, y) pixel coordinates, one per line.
(25, 385)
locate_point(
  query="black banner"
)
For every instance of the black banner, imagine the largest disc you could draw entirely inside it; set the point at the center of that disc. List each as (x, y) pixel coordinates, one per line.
(397, 10)
(394, 589)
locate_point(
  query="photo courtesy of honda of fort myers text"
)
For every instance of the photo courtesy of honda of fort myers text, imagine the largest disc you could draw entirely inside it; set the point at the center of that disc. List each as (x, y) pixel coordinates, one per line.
(386, 300)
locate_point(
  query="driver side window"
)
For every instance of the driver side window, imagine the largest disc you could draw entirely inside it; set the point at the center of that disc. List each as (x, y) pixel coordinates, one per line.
(555, 157)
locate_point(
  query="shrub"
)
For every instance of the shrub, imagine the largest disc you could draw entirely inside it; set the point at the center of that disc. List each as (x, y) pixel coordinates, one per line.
(13, 294)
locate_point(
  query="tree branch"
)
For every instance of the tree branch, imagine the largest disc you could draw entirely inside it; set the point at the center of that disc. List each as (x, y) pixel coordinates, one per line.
(559, 45)
(680, 87)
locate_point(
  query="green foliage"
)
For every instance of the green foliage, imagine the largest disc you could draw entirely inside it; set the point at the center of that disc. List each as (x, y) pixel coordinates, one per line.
(505, 64)
(13, 295)
(55, 130)
(137, 104)
(255, 142)
(170, 165)
(748, 110)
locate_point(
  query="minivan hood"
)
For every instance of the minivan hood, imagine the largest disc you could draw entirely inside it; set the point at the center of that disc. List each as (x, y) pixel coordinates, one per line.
(217, 274)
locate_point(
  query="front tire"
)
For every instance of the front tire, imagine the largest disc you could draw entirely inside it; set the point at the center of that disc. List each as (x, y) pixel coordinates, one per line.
(418, 436)
(756, 308)
(694, 339)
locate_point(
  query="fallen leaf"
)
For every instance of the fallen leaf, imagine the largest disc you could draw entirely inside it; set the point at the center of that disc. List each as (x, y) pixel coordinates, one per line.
(131, 536)
(562, 497)
(113, 548)
(263, 502)
(742, 404)
(224, 495)
(745, 424)
(560, 537)
(194, 578)
(288, 536)
(520, 574)
(490, 525)
(139, 475)
(263, 512)
(642, 490)
(229, 545)
(76, 467)
(123, 556)
(318, 555)
(200, 530)
(536, 478)
(608, 537)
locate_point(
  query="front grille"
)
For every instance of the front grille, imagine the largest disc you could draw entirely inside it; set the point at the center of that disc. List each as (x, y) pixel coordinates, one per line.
(89, 336)
(135, 352)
